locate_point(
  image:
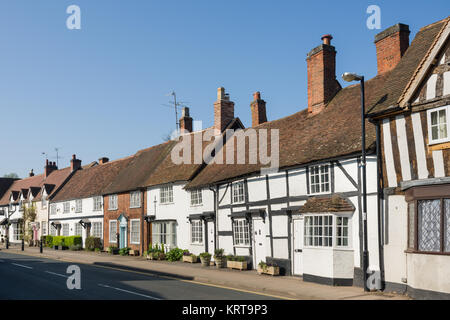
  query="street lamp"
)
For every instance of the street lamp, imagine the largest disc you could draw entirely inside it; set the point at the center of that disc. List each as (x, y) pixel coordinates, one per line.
(349, 77)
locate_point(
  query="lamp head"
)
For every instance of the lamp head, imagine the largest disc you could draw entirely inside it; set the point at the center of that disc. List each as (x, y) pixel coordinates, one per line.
(349, 77)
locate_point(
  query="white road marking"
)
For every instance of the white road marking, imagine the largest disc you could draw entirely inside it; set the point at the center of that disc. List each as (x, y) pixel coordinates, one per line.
(57, 274)
(21, 265)
(138, 294)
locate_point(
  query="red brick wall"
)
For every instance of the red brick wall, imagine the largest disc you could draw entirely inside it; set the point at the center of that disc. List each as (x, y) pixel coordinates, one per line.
(390, 50)
(258, 108)
(123, 206)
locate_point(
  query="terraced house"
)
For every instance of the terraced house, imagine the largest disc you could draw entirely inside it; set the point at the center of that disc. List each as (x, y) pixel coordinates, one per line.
(413, 120)
(77, 209)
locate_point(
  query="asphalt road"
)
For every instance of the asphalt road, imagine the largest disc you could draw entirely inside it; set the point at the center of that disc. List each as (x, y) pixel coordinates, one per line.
(30, 278)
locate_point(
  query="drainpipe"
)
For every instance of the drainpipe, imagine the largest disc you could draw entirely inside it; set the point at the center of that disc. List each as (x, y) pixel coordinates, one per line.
(216, 220)
(142, 221)
(380, 204)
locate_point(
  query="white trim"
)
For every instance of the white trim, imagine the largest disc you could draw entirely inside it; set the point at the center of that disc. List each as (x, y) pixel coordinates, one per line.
(430, 136)
(438, 161)
(403, 147)
(446, 83)
(388, 154)
(422, 169)
(131, 231)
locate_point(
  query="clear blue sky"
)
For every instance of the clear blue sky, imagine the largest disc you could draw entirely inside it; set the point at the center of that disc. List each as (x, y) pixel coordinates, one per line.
(99, 91)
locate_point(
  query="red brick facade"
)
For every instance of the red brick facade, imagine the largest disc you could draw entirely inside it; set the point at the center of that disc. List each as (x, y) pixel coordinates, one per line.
(391, 46)
(223, 110)
(123, 207)
(258, 107)
(322, 83)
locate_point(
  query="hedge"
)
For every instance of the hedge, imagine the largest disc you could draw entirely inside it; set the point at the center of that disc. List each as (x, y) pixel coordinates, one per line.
(92, 243)
(68, 241)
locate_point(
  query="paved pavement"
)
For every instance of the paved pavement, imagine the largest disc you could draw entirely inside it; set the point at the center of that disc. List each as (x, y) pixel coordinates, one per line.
(248, 282)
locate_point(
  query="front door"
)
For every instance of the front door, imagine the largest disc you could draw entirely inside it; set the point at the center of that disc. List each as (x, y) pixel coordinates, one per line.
(123, 237)
(210, 231)
(298, 247)
(259, 232)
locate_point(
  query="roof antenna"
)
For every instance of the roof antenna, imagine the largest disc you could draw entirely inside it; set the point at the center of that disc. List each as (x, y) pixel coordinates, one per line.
(174, 104)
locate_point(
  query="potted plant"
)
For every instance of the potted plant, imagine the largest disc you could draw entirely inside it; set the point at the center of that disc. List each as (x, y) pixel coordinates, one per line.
(268, 268)
(205, 259)
(236, 262)
(189, 257)
(133, 252)
(219, 258)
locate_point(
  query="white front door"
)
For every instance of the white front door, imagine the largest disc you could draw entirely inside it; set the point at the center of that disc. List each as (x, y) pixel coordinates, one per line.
(298, 247)
(259, 240)
(210, 236)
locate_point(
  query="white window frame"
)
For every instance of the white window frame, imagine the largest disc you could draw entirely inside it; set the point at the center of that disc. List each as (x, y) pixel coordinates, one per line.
(52, 209)
(112, 202)
(113, 235)
(97, 203)
(135, 235)
(78, 229)
(238, 192)
(44, 228)
(241, 233)
(432, 141)
(166, 234)
(320, 175)
(197, 231)
(78, 206)
(166, 194)
(65, 229)
(340, 235)
(196, 197)
(66, 207)
(317, 235)
(135, 199)
(97, 231)
(17, 231)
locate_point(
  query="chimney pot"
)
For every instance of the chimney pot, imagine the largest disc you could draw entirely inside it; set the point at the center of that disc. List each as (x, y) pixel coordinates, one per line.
(103, 160)
(257, 96)
(185, 121)
(327, 39)
(31, 173)
(75, 163)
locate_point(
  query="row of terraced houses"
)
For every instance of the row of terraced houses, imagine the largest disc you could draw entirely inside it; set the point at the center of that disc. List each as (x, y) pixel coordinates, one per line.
(306, 216)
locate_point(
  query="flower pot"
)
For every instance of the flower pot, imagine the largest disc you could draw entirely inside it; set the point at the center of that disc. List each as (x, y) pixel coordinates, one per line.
(190, 259)
(220, 262)
(271, 270)
(133, 252)
(205, 261)
(239, 265)
(55, 247)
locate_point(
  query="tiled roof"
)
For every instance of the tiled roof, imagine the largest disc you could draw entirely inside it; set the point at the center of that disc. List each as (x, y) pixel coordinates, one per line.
(142, 165)
(406, 69)
(55, 178)
(5, 183)
(18, 185)
(334, 203)
(334, 132)
(90, 182)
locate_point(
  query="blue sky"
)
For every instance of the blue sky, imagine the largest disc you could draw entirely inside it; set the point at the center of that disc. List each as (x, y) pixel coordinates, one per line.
(99, 91)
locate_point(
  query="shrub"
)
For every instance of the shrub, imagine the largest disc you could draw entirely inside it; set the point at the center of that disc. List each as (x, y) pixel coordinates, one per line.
(75, 247)
(93, 242)
(58, 241)
(97, 249)
(218, 253)
(47, 240)
(175, 254)
(124, 251)
(205, 255)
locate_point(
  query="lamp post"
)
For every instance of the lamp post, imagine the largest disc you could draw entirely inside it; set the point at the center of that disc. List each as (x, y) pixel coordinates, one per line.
(349, 77)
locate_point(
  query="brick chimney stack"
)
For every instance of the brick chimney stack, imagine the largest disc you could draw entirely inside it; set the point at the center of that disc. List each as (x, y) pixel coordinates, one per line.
(223, 110)
(258, 107)
(391, 45)
(49, 167)
(75, 163)
(31, 174)
(185, 121)
(103, 160)
(322, 83)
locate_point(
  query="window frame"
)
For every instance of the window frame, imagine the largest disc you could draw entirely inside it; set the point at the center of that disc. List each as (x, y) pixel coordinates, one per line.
(78, 227)
(166, 194)
(170, 234)
(241, 234)
(197, 232)
(113, 204)
(115, 231)
(196, 194)
(66, 205)
(93, 233)
(414, 248)
(133, 199)
(310, 238)
(67, 225)
(236, 198)
(432, 141)
(133, 231)
(319, 175)
(97, 203)
(78, 206)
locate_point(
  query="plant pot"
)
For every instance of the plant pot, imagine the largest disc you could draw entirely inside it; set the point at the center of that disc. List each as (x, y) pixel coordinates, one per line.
(133, 252)
(55, 247)
(64, 248)
(149, 257)
(220, 262)
(273, 271)
(190, 259)
(205, 261)
(239, 265)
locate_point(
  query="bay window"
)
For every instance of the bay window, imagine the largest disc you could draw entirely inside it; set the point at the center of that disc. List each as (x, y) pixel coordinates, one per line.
(164, 233)
(325, 230)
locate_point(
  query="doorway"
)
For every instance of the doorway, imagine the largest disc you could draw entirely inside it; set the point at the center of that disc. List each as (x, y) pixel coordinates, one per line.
(298, 247)
(259, 232)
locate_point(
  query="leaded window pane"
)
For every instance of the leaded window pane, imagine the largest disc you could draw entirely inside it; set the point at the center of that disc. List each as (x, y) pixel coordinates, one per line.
(447, 225)
(429, 219)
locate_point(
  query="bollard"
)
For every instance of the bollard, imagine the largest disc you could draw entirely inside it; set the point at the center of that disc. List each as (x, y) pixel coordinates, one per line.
(23, 245)
(40, 246)
(7, 243)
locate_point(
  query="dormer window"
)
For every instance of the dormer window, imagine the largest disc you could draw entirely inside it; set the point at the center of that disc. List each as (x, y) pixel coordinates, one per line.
(319, 179)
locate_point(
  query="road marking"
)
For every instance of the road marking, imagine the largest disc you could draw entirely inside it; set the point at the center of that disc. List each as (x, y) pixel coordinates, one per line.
(57, 274)
(123, 290)
(21, 265)
(161, 276)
